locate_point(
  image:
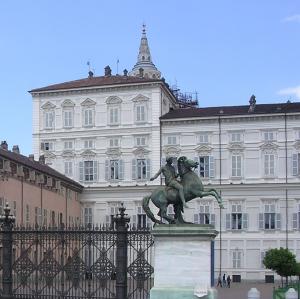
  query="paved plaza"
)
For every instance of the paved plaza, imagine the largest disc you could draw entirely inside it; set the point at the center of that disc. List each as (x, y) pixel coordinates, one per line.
(240, 290)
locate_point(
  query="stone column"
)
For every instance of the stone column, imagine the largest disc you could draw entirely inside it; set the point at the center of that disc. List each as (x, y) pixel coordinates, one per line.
(182, 261)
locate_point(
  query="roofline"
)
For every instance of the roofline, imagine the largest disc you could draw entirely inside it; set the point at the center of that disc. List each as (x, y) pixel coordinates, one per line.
(225, 116)
(37, 90)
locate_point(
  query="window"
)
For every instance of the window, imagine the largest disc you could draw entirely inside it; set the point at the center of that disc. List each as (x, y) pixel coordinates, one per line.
(236, 220)
(112, 212)
(295, 164)
(236, 164)
(88, 117)
(47, 146)
(88, 216)
(204, 216)
(88, 143)
(88, 171)
(269, 219)
(296, 219)
(236, 137)
(38, 216)
(114, 170)
(113, 115)
(140, 169)
(298, 135)
(236, 259)
(68, 168)
(49, 119)
(140, 141)
(14, 208)
(140, 113)
(269, 164)
(269, 136)
(206, 166)
(171, 140)
(203, 138)
(68, 118)
(68, 145)
(141, 218)
(45, 217)
(114, 142)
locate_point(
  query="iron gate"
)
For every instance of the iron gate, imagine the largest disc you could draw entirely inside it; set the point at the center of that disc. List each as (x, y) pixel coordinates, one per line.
(93, 262)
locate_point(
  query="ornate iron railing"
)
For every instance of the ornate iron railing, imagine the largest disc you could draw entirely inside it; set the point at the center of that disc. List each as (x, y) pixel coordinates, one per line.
(93, 262)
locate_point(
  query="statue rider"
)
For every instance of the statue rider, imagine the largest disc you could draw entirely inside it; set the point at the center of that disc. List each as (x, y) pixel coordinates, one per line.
(170, 178)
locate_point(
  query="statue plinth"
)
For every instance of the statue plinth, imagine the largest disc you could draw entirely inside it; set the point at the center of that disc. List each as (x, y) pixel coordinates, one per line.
(183, 261)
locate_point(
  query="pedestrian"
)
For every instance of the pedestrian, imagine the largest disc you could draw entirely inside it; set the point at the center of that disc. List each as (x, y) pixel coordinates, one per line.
(224, 280)
(219, 281)
(228, 281)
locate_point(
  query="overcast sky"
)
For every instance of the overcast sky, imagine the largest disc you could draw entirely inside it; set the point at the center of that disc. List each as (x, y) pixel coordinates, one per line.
(224, 50)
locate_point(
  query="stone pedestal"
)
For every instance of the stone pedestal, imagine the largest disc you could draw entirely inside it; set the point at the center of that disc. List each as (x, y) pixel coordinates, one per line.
(182, 261)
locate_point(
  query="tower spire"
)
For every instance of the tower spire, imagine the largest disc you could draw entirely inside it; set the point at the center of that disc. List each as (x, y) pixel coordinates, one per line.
(144, 66)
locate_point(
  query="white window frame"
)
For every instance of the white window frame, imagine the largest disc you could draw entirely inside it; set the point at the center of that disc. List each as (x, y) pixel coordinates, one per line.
(269, 135)
(47, 146)
(68, 144)
(114, 142)
(141, 168)
(88, 171)
(172, 140)
(88, 215)
(236, 137)
(88, 143)
(203, 138)
(140, 113)
(140, 141)
(114, 170)
(206, 167)
(270, 219)
(237, 259)
(68, 117)
(114, 115)
(49, 119)
(295, 164)
(68, 165)
(269, 164)
(236, 172)
(88, 116)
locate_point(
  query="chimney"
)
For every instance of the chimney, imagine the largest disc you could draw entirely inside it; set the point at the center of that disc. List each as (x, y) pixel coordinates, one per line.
(252, 103)
(107, 71)
(4, 145)
(31, 157)
(91, 74)
(141, 72)
(16, 149)
(42, 159)
(125, 72)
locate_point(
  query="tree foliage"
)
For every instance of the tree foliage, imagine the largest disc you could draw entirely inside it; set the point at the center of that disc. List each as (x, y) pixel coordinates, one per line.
(282, 261)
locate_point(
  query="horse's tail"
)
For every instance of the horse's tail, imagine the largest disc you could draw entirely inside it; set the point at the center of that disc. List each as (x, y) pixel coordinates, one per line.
(147, 210)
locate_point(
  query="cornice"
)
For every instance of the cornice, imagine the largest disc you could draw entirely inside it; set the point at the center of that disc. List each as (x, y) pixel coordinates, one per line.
(88, 102)
(67, 104)
(113, 100)
(236, 147)
(140, 98)
(297, 145)
(269, 146)
(68, 154)
(204, 148)
(96, 89)
(88, 153)
(114, 153)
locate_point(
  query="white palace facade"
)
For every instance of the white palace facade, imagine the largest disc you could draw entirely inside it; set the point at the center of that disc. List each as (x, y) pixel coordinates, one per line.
(111, 133)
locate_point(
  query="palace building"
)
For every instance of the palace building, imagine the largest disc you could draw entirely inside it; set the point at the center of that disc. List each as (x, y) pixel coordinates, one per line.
(111, 133)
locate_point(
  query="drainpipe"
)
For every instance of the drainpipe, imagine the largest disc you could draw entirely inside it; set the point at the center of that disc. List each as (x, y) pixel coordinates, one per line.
(286, 181)
(220, 182)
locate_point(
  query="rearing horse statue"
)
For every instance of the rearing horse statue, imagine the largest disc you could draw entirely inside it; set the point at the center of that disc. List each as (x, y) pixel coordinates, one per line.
(163, 196)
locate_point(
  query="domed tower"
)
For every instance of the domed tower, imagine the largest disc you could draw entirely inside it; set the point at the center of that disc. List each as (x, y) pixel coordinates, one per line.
(144, 66)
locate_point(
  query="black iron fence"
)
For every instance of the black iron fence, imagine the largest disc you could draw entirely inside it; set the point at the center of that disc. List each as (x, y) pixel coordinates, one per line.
(94, 262)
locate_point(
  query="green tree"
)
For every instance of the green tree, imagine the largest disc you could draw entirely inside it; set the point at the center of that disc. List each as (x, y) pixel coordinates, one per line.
(282, 261)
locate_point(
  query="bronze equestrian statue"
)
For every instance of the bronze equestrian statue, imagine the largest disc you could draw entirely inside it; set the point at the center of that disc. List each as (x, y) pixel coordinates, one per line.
(163, 196)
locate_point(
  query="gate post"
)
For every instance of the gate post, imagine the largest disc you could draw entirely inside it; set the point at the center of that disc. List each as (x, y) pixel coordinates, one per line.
(7, 222)
(121, 221)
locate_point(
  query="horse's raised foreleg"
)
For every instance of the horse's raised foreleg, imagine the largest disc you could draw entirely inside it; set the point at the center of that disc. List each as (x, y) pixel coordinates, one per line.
(218, 196)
